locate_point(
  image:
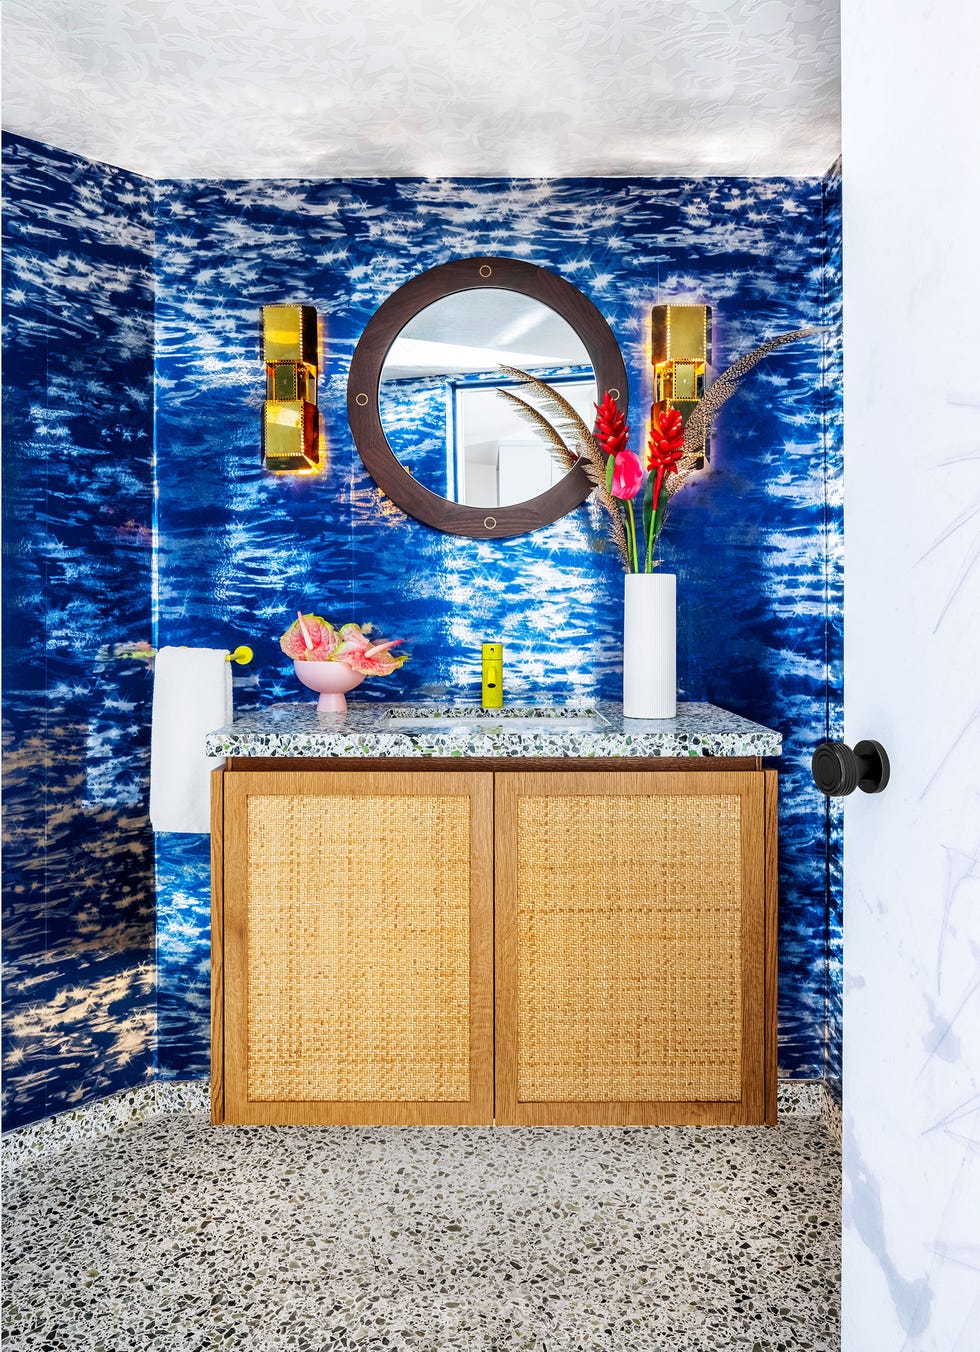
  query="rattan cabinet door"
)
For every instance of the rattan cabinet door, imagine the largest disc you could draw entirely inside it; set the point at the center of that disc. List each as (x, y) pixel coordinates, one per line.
(354, 949)
(633, 912)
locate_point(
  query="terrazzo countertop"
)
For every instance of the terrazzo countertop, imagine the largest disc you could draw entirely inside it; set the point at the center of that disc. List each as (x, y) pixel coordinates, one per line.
(552, 730)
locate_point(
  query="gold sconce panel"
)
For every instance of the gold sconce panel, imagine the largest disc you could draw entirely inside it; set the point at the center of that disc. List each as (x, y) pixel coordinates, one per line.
(289, 334)
(289, 437)
(681, 333)
(290, 420)
(290, 380)
(681, 353)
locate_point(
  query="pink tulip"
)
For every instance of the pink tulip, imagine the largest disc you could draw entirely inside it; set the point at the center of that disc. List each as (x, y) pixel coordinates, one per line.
(627, 479)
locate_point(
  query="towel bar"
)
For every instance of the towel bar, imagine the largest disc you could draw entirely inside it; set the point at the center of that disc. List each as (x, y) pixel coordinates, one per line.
(143, 652)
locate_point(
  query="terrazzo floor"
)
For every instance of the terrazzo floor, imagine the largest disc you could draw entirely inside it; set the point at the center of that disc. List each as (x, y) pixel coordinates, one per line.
(176, 1235)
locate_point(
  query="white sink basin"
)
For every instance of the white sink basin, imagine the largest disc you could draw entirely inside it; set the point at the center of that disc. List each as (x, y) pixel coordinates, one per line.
(514, 718)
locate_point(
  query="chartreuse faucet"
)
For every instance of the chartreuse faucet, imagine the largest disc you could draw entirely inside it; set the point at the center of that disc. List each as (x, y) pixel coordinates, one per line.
(493, 675)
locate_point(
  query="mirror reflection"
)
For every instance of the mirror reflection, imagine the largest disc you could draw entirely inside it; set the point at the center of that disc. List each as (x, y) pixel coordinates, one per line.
(438, 400)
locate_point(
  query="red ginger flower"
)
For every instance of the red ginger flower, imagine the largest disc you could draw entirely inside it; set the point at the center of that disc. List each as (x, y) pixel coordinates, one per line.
(667, 440)
(611, 431)
(665, 448)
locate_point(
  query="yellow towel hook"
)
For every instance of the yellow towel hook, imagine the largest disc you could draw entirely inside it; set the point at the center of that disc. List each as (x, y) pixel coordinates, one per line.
(241, 655)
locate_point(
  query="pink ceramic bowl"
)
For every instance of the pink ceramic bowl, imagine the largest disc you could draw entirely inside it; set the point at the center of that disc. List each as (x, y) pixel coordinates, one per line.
(331, 680)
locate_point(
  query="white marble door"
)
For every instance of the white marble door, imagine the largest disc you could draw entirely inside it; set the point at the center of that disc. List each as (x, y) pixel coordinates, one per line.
(912, 676)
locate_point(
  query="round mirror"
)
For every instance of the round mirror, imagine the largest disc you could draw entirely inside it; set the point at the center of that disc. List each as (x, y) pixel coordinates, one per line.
(424, 397)
(440, 404)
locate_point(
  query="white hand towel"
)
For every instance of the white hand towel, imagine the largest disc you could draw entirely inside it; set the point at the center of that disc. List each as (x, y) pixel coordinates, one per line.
(191, 697)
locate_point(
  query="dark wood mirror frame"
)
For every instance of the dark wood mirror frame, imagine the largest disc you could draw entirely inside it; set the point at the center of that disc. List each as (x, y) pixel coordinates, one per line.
(363, 390)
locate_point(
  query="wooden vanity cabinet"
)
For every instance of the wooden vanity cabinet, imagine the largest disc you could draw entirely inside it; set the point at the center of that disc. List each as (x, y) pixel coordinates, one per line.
(634, 914)
(352, 947)
(587, 943)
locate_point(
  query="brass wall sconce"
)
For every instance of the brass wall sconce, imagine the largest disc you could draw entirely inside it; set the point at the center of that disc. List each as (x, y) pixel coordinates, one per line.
(681, 353)
(290, 418)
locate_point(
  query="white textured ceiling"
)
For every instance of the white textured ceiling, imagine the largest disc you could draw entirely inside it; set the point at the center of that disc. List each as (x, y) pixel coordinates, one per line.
(321, 88)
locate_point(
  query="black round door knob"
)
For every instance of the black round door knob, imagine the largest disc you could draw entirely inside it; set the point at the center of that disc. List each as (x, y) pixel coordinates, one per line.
(838, 771)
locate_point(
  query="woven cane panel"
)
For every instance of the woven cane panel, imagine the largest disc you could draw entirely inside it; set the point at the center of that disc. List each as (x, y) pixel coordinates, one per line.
(629, 975)
(358, 948)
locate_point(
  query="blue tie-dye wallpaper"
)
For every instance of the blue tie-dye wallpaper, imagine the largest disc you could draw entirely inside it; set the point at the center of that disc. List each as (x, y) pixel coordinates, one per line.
(834, 449)
(755, 545)
(78, 909)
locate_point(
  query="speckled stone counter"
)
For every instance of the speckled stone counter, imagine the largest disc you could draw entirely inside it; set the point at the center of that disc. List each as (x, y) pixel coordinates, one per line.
(429, 730)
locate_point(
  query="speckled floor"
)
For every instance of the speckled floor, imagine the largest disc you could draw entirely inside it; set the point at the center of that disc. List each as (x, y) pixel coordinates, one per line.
(175, 1235)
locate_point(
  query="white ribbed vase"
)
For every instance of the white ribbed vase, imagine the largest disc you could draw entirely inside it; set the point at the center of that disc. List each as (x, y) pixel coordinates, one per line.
(650, 646)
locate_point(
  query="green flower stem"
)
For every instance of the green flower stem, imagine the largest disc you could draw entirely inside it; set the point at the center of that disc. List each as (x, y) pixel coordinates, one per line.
(629, 542)
(655, 517)
(656, 522)
(634, 560)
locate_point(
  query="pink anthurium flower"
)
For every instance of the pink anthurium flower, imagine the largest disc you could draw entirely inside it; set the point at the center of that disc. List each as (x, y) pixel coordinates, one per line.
(323, 640)
(627, 476)
(310, 638)
(360, 654)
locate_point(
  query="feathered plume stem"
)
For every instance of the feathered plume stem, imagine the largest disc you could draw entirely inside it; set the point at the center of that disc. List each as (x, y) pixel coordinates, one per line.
(590, 456)
(565, 457)
(724, 386)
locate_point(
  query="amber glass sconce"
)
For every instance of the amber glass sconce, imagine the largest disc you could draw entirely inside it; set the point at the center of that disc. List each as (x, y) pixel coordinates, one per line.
(290, 418)
(681, 351)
